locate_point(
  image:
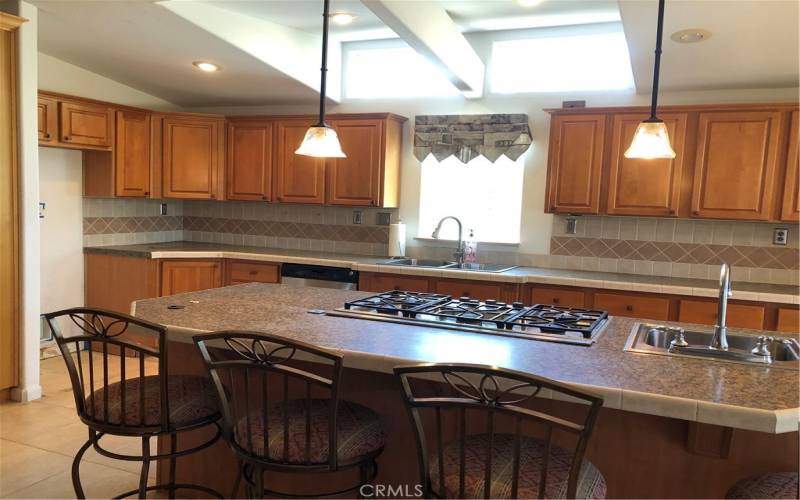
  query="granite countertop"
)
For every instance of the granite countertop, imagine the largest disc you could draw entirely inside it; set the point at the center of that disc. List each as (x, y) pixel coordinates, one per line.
(741, 396)
(786, 294)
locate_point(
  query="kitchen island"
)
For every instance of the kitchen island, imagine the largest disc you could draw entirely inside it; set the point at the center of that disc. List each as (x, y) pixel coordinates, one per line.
(670, 427)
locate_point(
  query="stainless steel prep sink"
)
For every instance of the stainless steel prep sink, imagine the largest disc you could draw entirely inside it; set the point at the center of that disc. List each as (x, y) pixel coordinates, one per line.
(776, 351)
(444, 264)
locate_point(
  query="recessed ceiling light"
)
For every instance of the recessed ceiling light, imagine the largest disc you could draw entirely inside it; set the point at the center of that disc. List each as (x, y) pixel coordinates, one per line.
(529, 3)
(342, 18)
(691, 35)
(206, 66)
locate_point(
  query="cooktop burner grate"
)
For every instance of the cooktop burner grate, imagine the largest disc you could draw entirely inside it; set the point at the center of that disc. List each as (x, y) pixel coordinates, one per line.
(557, 319)
(397, 302)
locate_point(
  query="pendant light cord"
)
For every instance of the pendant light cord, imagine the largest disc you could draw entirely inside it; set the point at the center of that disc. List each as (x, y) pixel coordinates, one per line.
(657, 65)
(324, 68)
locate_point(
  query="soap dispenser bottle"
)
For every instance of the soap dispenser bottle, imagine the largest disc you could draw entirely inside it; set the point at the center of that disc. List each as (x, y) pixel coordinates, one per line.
(471, 248)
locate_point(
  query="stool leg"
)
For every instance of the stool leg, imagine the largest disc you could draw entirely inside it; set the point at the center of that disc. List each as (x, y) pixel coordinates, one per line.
(145, 466)
(173, 448)
(76, 468)
(258, 479)
(238, 481)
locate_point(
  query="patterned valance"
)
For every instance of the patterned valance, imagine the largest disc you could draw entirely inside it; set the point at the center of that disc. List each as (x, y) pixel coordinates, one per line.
(469, 136)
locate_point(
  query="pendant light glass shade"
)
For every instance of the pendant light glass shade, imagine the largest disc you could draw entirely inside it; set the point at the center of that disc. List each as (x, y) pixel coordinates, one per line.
(650, 141)
(322, 142)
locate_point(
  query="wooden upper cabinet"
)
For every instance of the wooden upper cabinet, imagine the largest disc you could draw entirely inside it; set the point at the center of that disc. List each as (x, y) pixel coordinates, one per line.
(790, 208)
(47, 119)
(192, 157)
(250, 155)
(356, 180)
(298, 178)
(86, 124)
(735, 166)
(575, 163)
(132, 154)
(645, 187)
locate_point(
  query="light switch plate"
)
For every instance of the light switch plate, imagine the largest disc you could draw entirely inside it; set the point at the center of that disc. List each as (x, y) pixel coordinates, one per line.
(383, 218)
(780, 236)
(163, 209)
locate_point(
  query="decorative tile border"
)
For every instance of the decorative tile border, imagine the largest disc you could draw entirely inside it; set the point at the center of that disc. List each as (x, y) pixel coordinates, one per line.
(686, 253)
(116, 225)
(331, 232)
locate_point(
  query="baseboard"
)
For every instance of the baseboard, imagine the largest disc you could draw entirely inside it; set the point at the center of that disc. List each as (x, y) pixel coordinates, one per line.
(23, 395)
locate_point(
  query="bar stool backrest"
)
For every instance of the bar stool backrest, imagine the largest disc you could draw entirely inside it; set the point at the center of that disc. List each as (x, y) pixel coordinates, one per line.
(252, 373)
(486, 394)
(115, 354)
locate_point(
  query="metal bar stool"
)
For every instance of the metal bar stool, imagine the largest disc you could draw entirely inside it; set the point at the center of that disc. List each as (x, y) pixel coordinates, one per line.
(498, 461)
(281, 410)
(133, 404)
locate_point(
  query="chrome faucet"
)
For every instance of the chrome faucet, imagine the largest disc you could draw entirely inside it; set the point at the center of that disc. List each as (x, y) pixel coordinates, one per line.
(459, 253)
(720, 338)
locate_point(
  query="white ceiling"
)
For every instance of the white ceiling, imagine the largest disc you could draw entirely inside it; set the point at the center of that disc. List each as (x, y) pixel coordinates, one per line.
(753, 44)
(146, 46)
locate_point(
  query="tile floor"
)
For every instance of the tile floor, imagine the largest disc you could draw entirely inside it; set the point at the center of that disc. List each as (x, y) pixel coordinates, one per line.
(39, 439)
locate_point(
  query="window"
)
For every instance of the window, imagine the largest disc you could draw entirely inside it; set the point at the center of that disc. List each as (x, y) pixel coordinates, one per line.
(394, 72)
(486, 197)
(561, 64)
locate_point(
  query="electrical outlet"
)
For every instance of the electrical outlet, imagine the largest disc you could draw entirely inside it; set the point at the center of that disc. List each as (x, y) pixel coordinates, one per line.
(163, 209)
(357, 216)
(42, 208)
(572, 225)
(780, 236)
(383, 218)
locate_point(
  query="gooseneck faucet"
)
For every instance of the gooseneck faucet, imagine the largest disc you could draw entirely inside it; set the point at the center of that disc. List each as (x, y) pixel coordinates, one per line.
(720, 338)
(459, 253)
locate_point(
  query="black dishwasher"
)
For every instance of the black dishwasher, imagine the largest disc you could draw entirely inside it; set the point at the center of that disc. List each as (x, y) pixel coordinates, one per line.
(319, 276)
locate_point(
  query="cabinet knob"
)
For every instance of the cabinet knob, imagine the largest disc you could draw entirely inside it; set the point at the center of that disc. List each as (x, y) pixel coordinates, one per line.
(66, 137)
(552, 208)
(556, 300)
(47, 136)
(279, 198)
(263, 197)
(147, 193)
(629, 308)
(212, 196)
(672, 212)
(695, 212)
(253, 272)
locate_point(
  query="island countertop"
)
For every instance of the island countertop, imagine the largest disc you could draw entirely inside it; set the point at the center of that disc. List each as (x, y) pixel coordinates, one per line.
(740, 396)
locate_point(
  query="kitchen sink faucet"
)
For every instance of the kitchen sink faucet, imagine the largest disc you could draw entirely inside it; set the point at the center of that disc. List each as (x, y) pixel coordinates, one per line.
(720, 338)
(459, 253)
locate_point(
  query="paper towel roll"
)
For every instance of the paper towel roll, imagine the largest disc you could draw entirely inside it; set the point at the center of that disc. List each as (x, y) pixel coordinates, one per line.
(397, 240)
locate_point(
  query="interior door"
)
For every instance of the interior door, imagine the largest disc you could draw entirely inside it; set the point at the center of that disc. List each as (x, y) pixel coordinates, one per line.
(298, 178)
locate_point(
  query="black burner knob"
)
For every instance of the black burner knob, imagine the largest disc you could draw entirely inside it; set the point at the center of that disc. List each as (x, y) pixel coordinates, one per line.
(517, 305)
(501, 304)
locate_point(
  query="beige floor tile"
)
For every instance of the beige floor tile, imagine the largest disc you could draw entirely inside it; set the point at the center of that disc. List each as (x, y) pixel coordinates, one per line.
(98, 482)
(23, 421)
(22, 466)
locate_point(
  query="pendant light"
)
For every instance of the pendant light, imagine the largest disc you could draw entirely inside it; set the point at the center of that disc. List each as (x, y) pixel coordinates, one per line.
(651, 139)
(321, 140)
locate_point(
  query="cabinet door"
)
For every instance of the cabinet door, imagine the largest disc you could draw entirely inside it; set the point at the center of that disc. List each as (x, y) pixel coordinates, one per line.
(574, 163)
(558, 297)
(632, 306)
(132, 154)
(387, 282)
(790, 210)
(240, 271)
(705, 313)
(356, 180)
(182, 276)
(645, 187)
(298, 178)
(735, 165)
(47, 120)
(788, 320)
(86, 124)
(458, 288)
(249, 165)
(191, 158)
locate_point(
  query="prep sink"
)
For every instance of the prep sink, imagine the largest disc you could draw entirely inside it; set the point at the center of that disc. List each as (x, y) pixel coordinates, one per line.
(657, 339)
(444, 264)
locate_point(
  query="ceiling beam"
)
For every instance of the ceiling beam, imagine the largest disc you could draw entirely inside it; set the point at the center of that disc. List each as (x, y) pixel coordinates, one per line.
(427, 28)
(290, 51)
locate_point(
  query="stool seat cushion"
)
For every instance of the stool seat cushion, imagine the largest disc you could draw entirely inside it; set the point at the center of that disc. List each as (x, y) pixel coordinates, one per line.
(192, 401)
(360, 432)
(772, 485)
(591, 483)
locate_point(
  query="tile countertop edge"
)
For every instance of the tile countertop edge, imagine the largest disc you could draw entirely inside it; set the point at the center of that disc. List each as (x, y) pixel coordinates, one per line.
(517, 277)
(738, 417)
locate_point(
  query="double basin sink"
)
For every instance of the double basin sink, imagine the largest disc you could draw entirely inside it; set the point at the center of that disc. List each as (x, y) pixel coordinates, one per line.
(444, 264)
(778, 352)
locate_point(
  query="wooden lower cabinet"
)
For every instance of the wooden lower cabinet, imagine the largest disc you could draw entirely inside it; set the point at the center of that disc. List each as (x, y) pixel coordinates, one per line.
(369, 282)
(243, 271)
(632, 306)
(788, 320)
(472, 289)
(557, 297)
(705, 313)
(190, 275)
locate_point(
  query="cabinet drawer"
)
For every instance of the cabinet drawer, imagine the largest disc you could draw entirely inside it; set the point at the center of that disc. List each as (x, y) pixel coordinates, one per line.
(386, 282)
(632, 306)
(480, 291)
(247, 272)
(557, 296)
(705, 313)
(788, 320)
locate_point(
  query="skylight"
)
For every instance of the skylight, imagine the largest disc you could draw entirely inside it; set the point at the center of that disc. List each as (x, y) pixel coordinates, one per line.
(561, 64)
